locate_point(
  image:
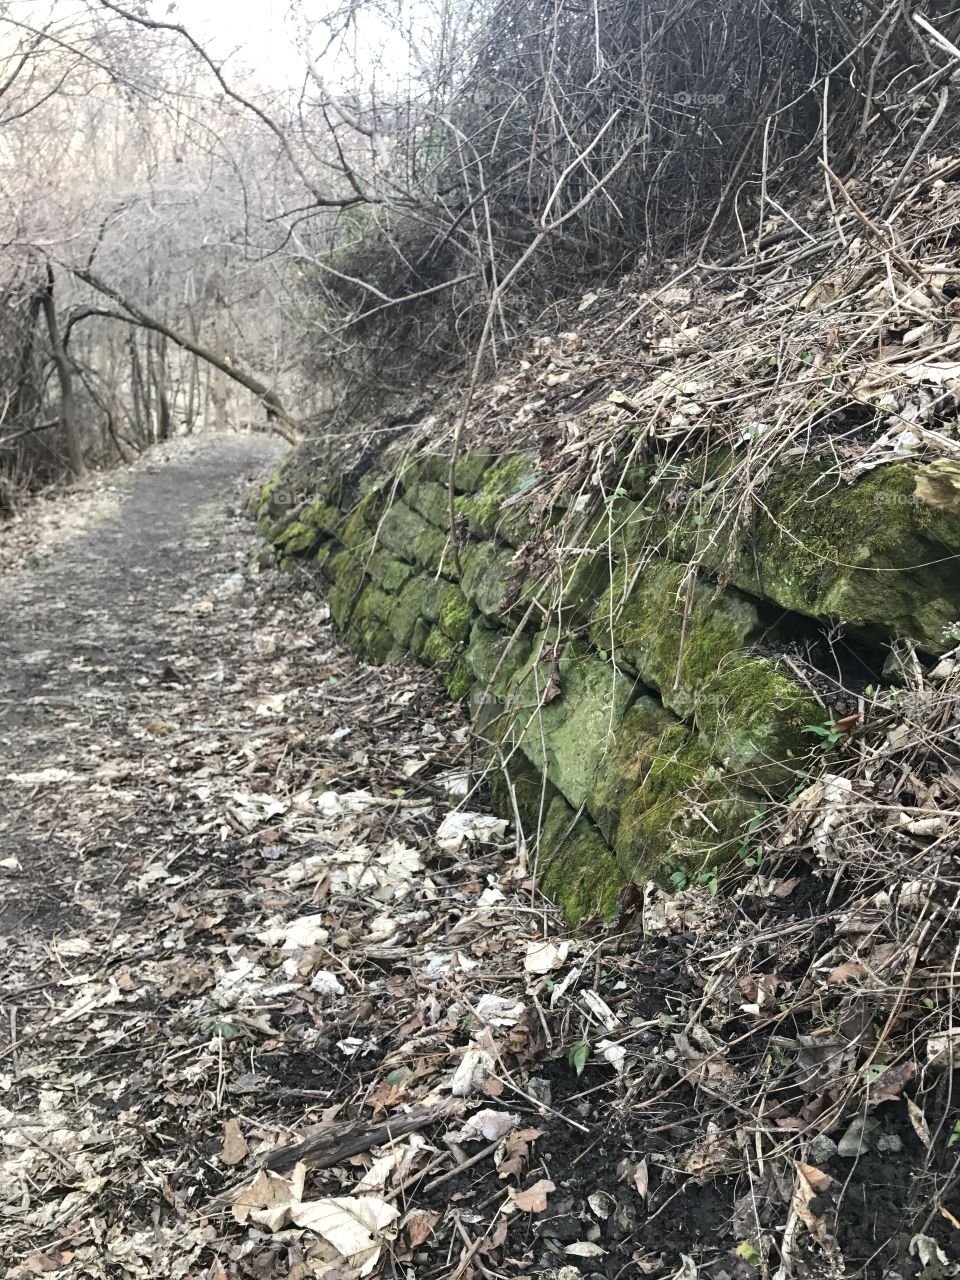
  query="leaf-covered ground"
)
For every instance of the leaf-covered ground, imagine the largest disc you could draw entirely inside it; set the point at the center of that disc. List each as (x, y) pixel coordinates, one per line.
(279, 997)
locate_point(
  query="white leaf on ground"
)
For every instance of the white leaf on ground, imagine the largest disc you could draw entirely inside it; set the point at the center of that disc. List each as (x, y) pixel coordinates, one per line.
(460, 826)
(266, 1201)
(39, 777)
(613, 1053)
(10, 864)
(584, 1249)
(602, 1203)
(74, 946)
(856, 1140)
(419, 1225)
(305, 931)
(544, 956)
(488, 1124)
(600, 1009)
(355, 1227)
(491, 896)
(499, 1011)
(641, 1178)
(687, 1269)
(326, 983)
(919, 1122)
(378, 1175)
(95, 995)
(474, 1068)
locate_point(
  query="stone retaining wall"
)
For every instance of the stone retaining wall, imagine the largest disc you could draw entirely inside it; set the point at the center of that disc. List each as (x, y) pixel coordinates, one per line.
(638, 707)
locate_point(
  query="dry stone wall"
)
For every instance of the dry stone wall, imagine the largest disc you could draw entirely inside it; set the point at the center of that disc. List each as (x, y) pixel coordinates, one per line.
(628, 671)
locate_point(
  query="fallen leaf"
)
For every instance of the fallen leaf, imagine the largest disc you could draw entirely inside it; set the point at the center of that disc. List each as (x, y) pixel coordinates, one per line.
(235, 1146)
(641, 1178)
(489, 1124)
(533, 1199)
(919, 1122)
(542, 957)
(419, 1226)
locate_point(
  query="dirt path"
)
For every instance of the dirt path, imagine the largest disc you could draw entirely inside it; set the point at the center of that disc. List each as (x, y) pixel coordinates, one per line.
(91, 635)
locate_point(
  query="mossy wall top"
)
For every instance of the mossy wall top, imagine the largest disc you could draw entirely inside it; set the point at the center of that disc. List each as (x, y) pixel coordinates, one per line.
(627, 669)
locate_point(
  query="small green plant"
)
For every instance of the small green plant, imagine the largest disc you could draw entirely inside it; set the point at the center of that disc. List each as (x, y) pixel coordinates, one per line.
(954, 1134)
(679, 880)
(748, 1253)
(710, 879)
(748, 855)
(578, 1055)
(829, 737)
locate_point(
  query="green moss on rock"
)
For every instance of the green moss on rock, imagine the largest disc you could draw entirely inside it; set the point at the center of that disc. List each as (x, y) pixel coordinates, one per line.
(488, 578)
(688, 640)
(487, 652)
(470, 469)
(448, 657)
(482, 509)
(297, 539)
(456, 615)
(566, 728)
(429, 500)
(429, 548)
(348, 578)
(399, 529)
(387, 571)
(881, 554)
(577, 869)
(661, 802)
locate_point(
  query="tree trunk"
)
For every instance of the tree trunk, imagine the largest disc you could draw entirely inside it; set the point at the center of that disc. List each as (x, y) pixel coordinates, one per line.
(68, 411)
(160, 386)
(136, 386)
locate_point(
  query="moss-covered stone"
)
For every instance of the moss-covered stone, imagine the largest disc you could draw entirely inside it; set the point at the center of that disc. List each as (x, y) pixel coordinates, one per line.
(430, 551)
(577, 869)
(418, 637)
(565, 714)
(687, 638)
(387, 571)
(348, 578)
(490, 650)
(456, 615)
(488, 578)
(482, 509)
(429, 500)
(399, 528)
(470, 469)
(355, 534)
(659, 800)
(297, 539)
(448, 657)
(883, 554)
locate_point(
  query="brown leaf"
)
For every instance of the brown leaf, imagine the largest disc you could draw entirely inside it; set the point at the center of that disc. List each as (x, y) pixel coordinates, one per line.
(534, 1199)
(420, 1226)
(514, 1152)
(846, 972)
(235, 1146)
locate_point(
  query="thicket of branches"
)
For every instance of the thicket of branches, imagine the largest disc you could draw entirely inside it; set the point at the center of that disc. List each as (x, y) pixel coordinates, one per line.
(617, 134)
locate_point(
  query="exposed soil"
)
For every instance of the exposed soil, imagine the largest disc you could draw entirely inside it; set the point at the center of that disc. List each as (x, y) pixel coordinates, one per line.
(238, 915)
